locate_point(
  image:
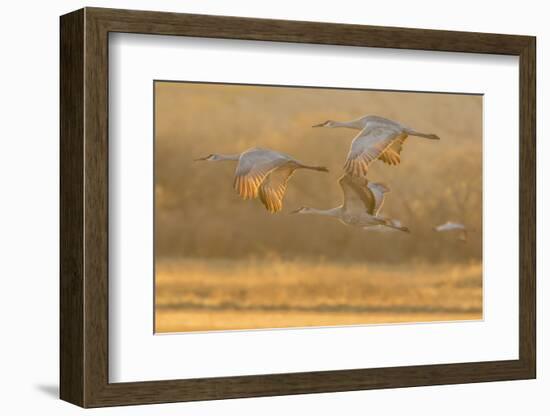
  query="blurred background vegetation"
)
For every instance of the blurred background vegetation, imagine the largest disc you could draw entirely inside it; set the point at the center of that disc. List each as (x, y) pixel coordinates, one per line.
(199, 215)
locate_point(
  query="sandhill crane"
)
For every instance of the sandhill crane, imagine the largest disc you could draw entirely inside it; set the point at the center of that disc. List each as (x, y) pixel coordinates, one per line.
(361, 206)
(264, 173)
(454, 226)
(379, 138)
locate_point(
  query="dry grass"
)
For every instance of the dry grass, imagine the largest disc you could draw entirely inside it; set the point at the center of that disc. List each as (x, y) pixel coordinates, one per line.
(196, 295)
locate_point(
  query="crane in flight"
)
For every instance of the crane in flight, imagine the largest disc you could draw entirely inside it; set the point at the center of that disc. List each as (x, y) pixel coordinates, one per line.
(361, 205)
(262, 173)
(378, 138)
(454, 226)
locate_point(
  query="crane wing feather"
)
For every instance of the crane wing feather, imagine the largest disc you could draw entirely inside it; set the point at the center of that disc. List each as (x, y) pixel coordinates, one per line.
(392, 155)
(378, 191)
(371, 144)
(272, 190)
(253, 167)
(358, 197)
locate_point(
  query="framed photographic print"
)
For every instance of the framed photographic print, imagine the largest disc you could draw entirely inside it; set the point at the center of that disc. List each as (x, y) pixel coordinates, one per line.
(255, 207)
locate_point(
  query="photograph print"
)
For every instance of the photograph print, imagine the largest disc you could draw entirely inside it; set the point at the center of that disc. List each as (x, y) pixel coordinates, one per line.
(293, 207)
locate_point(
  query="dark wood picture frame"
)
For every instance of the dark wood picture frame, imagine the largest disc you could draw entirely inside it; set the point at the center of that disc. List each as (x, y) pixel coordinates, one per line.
(84, 207)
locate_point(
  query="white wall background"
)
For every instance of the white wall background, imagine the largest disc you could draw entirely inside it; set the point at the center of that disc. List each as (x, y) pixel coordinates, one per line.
(29, 206)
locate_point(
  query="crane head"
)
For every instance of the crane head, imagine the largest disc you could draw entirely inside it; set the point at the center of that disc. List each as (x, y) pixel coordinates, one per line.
(301, 210)
(211, 157)
(328, 123)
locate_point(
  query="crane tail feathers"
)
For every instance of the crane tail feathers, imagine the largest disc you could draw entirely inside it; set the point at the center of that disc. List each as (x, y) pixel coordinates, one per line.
(317, 168)
(429, 136)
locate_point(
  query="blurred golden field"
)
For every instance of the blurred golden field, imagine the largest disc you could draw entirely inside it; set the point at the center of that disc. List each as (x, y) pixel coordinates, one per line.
(225, 263)
(193, 295)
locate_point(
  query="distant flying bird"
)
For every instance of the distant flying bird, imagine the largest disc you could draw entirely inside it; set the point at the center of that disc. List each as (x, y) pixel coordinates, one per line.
(263, 173)
(361, 206)
(379, 138)
(454, 226)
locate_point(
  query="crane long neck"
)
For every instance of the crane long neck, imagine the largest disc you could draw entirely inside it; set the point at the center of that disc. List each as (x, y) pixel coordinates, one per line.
(332, 212)
(222, 157)
(353, 124)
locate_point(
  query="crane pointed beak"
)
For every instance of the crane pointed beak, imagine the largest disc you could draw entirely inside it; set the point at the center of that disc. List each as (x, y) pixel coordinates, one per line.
(296, 211)
(318, 125)
(200, 158)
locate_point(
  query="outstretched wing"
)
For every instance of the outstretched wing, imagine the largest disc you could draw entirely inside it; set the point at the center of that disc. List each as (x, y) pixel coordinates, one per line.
(357, 195)
(373, 143)
(378, 191)
(273, 188)
(392, 155)
(253, 167)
